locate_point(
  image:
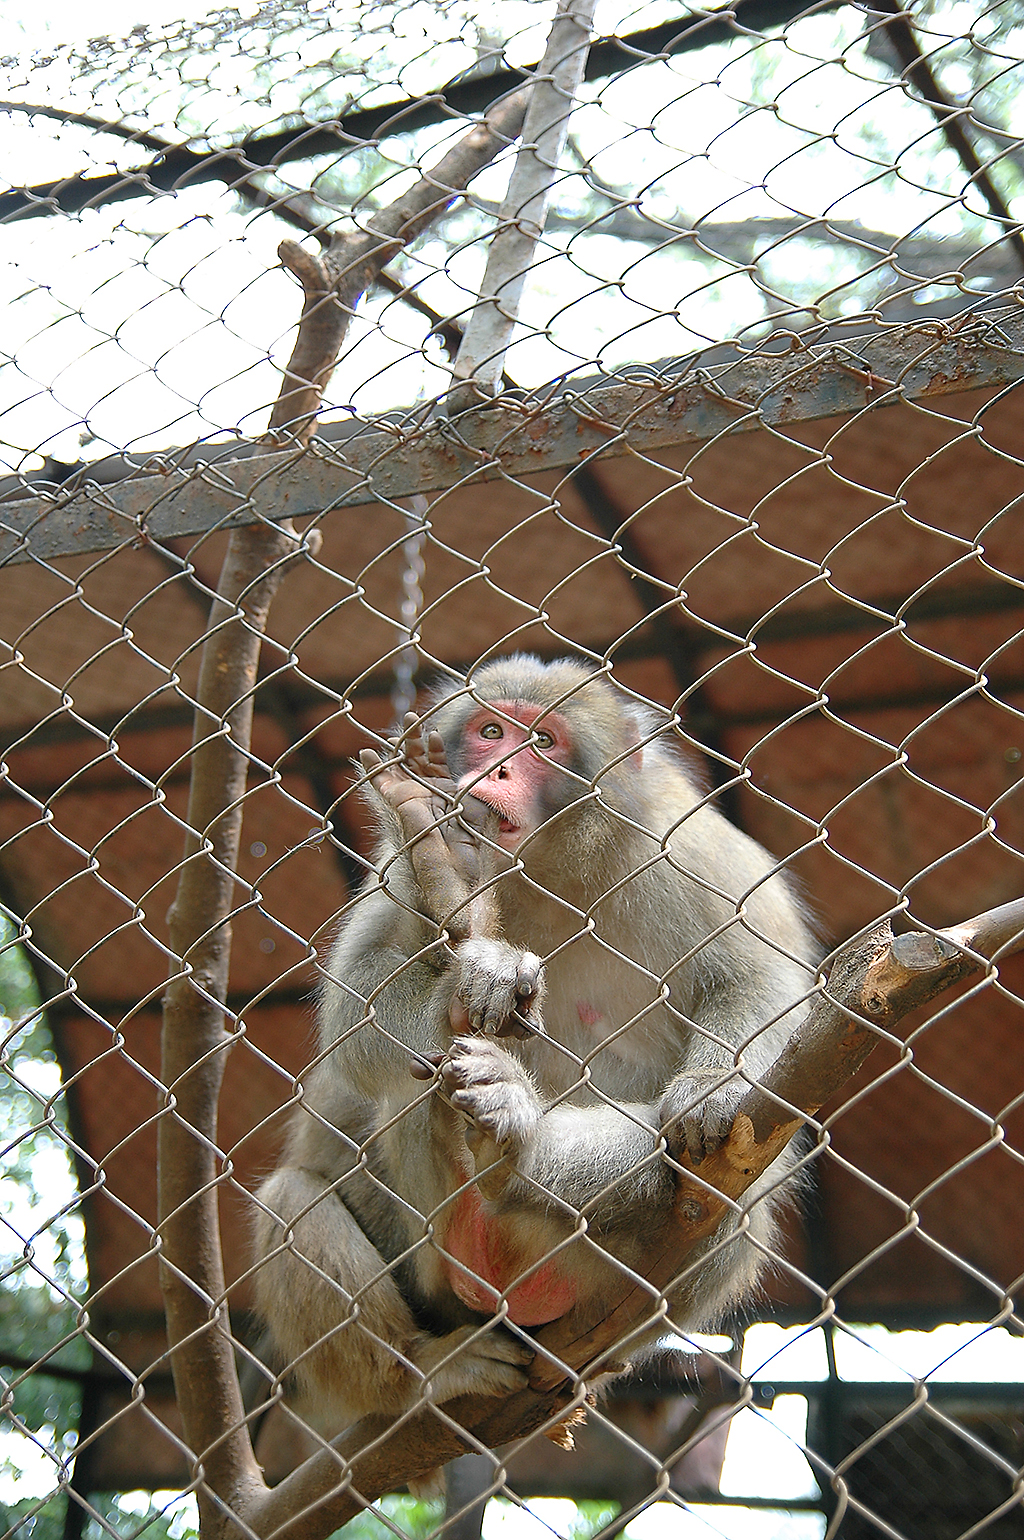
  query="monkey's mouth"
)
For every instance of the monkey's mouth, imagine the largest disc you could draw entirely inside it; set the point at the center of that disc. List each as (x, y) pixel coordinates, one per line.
(509, 834)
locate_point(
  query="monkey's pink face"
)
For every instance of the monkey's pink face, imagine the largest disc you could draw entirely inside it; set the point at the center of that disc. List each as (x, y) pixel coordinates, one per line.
(512, 765)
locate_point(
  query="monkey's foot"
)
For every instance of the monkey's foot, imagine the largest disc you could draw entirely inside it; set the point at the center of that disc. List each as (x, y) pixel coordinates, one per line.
(493, 1090)
(471, 1361)
(499, 989)
(698, 1110)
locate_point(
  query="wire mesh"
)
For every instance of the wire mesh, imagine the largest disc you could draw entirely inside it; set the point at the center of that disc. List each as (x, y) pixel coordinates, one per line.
(756, 459)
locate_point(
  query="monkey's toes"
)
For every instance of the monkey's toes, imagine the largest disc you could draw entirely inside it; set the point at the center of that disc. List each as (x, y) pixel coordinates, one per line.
(486, 1084)
(425, 1066)
(697, 1119)
(505, 1361)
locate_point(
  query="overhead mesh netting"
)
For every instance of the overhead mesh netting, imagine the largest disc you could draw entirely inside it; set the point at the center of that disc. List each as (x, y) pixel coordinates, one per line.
(406, 1119)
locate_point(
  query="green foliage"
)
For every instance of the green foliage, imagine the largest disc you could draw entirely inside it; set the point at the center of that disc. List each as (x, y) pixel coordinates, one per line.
(42, 1256)
(34, 1518)
(407, 1516)
(591, 1517)
(152, 1515)
(420, 1520)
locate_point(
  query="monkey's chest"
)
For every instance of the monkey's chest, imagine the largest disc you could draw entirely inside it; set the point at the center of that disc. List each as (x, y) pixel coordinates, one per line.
(485, 1264)
(610, 1018)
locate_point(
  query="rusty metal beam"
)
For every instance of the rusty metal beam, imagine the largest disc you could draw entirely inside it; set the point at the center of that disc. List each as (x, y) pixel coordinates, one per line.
(517, 437)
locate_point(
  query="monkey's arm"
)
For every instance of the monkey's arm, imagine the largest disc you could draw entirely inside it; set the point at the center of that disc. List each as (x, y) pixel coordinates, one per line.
(493, 987)
(744, 987)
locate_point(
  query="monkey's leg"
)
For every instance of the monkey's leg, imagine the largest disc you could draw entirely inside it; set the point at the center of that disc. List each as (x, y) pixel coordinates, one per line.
(337, 1316)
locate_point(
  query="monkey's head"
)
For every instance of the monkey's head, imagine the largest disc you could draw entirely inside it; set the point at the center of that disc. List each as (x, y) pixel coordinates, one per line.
(543, 744)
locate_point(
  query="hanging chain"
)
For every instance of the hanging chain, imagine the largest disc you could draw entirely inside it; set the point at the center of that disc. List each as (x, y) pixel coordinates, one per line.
(403, 693)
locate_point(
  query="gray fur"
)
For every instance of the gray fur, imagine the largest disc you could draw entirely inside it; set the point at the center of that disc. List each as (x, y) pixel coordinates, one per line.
(353, 1283)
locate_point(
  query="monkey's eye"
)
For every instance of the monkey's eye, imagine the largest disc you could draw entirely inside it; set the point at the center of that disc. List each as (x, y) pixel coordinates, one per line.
(492, 730)
(543, 741)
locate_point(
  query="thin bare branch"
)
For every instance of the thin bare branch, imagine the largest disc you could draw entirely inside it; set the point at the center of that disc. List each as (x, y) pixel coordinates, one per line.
(333, 281)
(919, 73)
(512, 250)
(195, 1042)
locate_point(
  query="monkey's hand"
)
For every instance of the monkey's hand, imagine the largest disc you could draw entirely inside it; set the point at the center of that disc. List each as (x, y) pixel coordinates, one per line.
(419, 806)
(499, 989)
(494, 1090)
(443, 830)
(698, 1108)
(447, 857)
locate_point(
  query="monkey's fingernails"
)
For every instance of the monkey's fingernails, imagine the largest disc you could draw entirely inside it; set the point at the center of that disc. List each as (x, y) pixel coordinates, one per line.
(370, 761)
(516, 1025)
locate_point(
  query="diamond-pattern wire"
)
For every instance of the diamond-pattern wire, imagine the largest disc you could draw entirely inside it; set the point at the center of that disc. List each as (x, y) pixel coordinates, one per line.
(101, 652)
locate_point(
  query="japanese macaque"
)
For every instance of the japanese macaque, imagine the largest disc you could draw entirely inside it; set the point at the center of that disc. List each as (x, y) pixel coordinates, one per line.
(566, 963)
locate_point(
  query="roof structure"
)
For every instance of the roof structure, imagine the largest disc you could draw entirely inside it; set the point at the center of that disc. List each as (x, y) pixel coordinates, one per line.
(831, 603)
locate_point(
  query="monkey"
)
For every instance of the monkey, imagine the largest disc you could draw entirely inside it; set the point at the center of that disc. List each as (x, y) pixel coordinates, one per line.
(565, 962)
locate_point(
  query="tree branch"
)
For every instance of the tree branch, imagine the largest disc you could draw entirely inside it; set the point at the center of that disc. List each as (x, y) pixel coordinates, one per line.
(333, 282)
(469, 93)
(875, 981)
(478, 366)
(918, 72)
(195, 1041)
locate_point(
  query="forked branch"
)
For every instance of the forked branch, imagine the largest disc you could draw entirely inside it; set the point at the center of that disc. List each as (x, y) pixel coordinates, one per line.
(194, 1039)
(333, 281)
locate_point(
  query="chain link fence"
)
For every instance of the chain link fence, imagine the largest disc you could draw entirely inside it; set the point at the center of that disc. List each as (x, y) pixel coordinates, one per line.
(684, 343)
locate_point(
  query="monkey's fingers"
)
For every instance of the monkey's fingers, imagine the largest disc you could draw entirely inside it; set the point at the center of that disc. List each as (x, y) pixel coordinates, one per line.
(525, 1020)
(424, 755)
(518, 1025)
(371, 762)
(418, 807)
(425, 1066)
(391, 780)
(410, 745)
(529, 977)
(436, 756)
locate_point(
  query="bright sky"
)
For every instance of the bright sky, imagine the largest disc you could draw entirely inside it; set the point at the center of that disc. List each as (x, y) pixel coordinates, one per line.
(152, 323)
